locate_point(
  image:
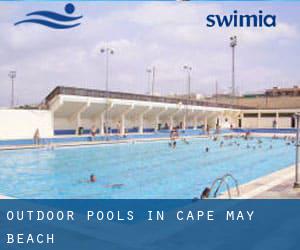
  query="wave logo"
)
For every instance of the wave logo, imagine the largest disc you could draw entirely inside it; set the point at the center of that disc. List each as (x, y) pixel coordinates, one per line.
(53, 20)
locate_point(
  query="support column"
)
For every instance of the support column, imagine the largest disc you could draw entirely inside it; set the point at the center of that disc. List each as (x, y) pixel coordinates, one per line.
(195, 123)
(205, 123)
(258, 119)
(157, 118)
(141, 119)
(171, 122)
(242, 119)
(78, 122)
(106, 117)
(184, 122)
(156, 122)
(101, 128)
(141, 124)
(123, 119)
(77, 116)
(277, 120)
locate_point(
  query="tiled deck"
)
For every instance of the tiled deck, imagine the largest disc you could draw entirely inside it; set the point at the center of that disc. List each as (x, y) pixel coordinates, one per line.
(97, 142)
(278, 185)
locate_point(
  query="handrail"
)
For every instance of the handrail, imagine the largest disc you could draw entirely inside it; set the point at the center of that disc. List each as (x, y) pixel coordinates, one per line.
(235, 182)
(221, 180)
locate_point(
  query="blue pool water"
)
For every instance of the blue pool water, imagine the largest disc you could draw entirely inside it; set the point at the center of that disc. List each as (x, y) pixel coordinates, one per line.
(147, 170)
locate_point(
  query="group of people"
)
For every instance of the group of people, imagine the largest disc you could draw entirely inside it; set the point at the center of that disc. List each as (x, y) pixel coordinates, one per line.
(106, 130)
(258, 143)
(174, 135)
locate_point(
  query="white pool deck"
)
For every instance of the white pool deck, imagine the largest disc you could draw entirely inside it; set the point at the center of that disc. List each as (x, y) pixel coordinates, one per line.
(277, 185)
(89, 143)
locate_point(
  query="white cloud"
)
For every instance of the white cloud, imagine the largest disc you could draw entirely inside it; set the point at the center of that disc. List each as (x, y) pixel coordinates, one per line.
(167, 35)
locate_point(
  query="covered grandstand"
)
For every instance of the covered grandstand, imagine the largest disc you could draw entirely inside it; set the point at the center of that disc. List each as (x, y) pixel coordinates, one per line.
(75, 108)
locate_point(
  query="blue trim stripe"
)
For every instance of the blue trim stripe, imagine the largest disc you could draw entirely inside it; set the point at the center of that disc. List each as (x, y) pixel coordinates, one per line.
(160, 134)
(151, 1)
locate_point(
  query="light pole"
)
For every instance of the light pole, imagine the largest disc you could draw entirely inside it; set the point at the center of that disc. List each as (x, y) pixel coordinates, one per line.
(153, 72)
(149, 72)
(153, 79)
(12, 75)
(233, 44)
(188, 69)
(297, 181)
(217, 91)
(107, 51)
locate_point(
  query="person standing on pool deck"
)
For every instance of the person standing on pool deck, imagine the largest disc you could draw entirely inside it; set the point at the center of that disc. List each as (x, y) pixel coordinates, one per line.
(36, 137)
(119, 127)
(274, 124)
(93, 132)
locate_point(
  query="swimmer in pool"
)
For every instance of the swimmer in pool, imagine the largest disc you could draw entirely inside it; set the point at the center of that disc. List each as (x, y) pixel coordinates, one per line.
(92, 178)
(205, 193)
(117, 185)
(185, 141)
(207, 149)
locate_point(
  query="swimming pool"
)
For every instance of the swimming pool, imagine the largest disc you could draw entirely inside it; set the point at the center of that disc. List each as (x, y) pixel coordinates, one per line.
(147, 170)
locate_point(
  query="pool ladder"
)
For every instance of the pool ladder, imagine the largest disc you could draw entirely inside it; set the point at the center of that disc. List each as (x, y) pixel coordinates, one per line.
(223, 180)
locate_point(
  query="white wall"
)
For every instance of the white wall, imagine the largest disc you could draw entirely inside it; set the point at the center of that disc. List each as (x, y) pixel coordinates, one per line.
(284, 122)
(266, 122)
(64, 123)
(22, 124)
(249, 122)
(226, 121)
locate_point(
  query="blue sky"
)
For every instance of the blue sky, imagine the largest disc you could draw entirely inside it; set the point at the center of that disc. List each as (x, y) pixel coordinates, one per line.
(167, 35)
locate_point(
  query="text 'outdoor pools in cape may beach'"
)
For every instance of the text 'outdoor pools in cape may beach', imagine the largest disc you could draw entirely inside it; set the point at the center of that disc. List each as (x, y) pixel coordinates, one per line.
(108, 216)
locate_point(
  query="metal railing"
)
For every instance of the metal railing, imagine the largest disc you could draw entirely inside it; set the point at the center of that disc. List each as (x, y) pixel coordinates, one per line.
(130, 96)
(220, 182)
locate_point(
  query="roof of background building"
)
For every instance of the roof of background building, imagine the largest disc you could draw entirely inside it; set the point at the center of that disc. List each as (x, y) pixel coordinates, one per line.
(60, 90)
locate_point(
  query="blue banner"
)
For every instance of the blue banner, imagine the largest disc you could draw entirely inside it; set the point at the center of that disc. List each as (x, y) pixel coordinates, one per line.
(149, 224)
